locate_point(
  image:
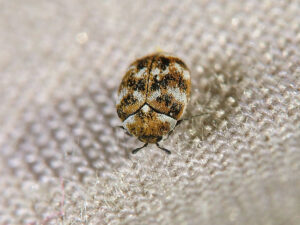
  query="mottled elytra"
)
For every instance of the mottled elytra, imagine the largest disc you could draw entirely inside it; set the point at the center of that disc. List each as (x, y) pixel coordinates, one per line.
(153, 96)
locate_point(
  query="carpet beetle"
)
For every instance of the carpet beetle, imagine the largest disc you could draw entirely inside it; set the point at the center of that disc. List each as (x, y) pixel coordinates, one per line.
(153, 96)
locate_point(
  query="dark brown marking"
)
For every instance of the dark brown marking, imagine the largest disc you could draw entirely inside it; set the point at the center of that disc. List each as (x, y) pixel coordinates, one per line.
(164, 63)
(140, 85)
(182, 84)
(165, 99)
(180, 62)
(142, 63)
(129, 100)
(163, 83)
(121, 114)
(175, 110)
(150, 138)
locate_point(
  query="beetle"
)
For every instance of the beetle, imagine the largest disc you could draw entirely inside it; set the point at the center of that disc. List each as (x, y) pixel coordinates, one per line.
(153, 96)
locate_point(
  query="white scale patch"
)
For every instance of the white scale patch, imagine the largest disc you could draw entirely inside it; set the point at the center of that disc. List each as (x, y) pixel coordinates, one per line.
(121, 95)
(154, 95)
(164, 118)
(139, 96)
(159, 74)
(146, 108)
(175, 92)
(166, 71)
(128, 121)
(186, 73)
(156, 71)
(140, 73)
(178, 95)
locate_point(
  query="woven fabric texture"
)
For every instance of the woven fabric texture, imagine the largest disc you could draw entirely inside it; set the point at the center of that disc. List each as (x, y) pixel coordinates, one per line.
(63, 162)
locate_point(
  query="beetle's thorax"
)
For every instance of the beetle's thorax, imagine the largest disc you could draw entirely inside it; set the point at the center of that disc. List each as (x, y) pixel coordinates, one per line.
(149, 125)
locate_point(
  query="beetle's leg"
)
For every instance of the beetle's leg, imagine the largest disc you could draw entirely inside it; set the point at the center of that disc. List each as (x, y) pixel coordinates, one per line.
(179, 122)
(164, 149)
(137, 149)
(126, 132)
(171, 132)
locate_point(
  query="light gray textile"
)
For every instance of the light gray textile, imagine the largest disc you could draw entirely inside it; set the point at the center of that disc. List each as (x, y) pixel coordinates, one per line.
(62, 161)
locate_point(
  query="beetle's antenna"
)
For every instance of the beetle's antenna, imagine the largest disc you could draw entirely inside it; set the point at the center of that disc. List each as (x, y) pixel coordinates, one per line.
(164, 149)
(180, 121)
(137, 149)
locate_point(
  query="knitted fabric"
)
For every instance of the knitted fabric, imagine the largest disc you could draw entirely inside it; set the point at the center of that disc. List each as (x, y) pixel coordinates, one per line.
(62, 161)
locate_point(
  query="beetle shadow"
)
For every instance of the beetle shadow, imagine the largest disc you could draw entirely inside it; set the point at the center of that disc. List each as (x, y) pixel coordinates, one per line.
(216, 92)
